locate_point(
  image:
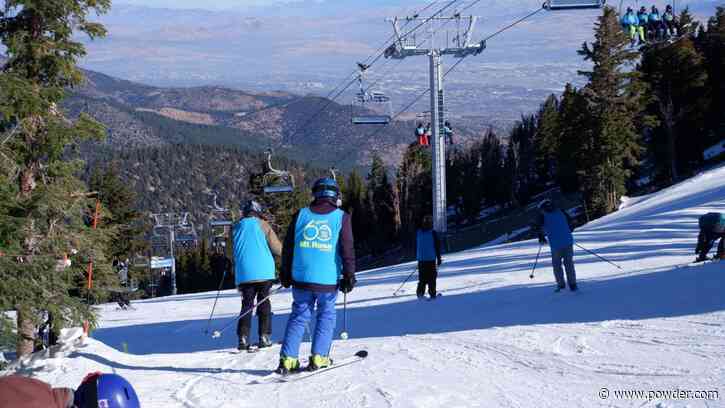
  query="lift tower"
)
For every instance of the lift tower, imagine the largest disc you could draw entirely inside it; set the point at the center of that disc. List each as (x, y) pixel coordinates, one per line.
(405, 46)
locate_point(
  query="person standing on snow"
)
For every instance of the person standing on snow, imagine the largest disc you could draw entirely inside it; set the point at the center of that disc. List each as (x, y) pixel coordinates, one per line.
(254, 243)
(555, 224)
(712, 227)
(318, 259)
(428, 251)
(96, 390)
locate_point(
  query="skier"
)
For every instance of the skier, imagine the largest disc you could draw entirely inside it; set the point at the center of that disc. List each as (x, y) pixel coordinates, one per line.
(642, 28)
(428, 251)
(318, 259)
(712, 227)
(630, 24)
(221, 266)
(556, 225)
(254, 243)
(670, 22)
(96, 390)
(448, 131)
(428, 134)
(420, 133)
(655, 24)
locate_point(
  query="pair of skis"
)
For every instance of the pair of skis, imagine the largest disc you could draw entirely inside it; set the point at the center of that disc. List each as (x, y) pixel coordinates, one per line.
(302, 374)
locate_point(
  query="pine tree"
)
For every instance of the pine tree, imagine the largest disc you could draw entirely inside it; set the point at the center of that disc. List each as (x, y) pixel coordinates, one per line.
(47, 201)
(676, 79)
(120, 200)
(712, 45)
(381, 199)
(548, 138)
(353, 201)
(575, 138)
(614, 100)
(415, 186)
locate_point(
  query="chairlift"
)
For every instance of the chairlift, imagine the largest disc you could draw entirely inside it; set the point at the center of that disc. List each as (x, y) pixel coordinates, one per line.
(665, 33)
(277, 181)
(573, 4)
(370, 107)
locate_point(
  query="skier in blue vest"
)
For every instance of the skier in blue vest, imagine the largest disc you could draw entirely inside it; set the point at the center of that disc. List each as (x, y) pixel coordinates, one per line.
(428, 250)
(254, 243)
(656, 27)
(630, 23)
(556, 225)
(643, 27)
(318, 259)
(712, 228)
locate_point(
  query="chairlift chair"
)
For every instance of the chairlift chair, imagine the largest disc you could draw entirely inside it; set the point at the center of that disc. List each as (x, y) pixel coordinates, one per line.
(370, 107)
(277, 181)
(573, 4)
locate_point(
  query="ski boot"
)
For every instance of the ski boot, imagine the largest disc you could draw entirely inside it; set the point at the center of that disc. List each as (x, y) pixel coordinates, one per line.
(559, 288)
(264, 341)
(243, 343)
(317, 362)
(288, 365)
(573, 288)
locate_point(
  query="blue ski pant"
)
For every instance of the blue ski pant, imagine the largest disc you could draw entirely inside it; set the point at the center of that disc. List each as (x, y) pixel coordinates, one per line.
(304, 304)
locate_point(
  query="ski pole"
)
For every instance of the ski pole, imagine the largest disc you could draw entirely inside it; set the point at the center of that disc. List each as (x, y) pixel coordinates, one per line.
(536, 262)
(208, 323)
(343, 335)
(602, 258)
(405, 281)
(218, 333)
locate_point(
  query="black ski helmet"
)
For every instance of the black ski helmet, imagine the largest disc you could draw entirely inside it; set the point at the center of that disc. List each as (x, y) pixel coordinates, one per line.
(250, 207)
(326, 187)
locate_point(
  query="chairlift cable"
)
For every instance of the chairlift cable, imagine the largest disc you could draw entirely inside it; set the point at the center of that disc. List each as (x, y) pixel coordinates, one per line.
(380, 54)
(453, 67)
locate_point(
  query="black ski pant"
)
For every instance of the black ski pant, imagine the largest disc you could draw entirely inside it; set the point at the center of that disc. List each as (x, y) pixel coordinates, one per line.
(706, 240)
(427, 275)
(249, 292)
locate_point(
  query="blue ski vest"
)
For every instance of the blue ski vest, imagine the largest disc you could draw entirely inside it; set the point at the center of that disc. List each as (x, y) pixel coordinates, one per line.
(426, 245)
(316, 255)
(557, 230)
(253, 259)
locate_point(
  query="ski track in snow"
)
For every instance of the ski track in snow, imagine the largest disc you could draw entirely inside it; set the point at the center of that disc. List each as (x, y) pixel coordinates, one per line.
(496, 339)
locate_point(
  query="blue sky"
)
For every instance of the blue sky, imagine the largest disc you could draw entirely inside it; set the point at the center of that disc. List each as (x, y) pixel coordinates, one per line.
(195, 4)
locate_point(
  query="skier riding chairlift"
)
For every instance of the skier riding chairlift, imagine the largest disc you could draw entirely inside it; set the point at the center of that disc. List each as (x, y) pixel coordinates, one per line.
(420, 134)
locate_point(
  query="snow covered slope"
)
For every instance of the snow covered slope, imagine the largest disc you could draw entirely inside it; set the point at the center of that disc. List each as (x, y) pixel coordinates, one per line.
(495, 339)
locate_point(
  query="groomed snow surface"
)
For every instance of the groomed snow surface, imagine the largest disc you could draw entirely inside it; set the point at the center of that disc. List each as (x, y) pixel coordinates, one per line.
(495, 339)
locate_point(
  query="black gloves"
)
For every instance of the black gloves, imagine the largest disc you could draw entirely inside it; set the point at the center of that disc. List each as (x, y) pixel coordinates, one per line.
(440, 261)
(542, 239)
(286, 282)
(347, 283)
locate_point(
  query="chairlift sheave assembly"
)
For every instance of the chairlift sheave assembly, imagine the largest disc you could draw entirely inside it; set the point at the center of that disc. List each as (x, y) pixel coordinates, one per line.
(370, 107)
(277, 181)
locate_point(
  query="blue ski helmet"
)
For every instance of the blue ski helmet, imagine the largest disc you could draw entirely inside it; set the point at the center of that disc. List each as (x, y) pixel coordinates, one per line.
(326, 187)
(250, 207)
(105, 391)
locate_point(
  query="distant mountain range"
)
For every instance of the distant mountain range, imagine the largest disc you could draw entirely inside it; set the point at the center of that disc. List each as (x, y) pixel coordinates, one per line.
(139, 116)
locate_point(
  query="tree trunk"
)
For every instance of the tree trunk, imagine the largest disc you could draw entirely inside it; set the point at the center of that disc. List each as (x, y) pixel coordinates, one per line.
(26, 328)
(26, 333)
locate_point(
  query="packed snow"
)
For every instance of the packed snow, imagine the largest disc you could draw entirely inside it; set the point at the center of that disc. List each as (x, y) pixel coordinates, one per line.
(494, 339)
